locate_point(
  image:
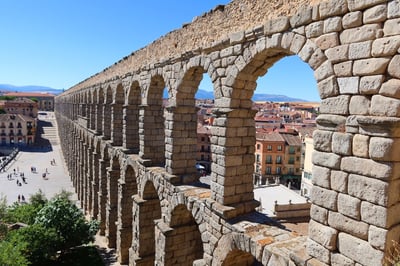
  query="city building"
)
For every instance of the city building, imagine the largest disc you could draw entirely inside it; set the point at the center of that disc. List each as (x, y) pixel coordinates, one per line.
(17, 129)
(306, 178)
(22, 106)
(203, 159)
(45, 101)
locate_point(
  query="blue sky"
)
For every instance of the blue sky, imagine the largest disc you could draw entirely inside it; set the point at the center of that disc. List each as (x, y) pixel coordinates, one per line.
(58, 43)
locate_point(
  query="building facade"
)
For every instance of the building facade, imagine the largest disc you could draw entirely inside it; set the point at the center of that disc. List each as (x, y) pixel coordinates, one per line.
(16, 129)
(45, 101)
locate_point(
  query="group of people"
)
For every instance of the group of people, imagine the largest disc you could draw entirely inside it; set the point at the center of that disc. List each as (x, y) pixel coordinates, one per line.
(21, 198)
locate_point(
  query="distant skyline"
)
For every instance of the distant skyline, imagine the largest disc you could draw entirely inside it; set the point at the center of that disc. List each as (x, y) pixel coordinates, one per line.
(60, 43)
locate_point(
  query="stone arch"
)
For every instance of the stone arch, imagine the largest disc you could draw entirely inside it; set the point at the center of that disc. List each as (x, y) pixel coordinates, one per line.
(99, 110)
(131, 118)
(152, 139)
(181, 122)
(127, 188)
(146, 210)
(229, 252)
(116, 115)
(96, 178)
(113, 176)
(104, 164)
(108, 98)
(182, 228)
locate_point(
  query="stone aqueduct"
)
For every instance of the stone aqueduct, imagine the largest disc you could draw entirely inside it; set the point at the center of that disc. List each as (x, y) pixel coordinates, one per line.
(132, 160)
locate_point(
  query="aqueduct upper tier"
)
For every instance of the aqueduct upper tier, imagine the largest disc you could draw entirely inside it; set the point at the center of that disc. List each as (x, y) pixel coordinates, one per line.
(131, 158)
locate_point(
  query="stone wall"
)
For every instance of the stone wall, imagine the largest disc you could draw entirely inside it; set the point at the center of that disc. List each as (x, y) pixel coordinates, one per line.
(132, 160)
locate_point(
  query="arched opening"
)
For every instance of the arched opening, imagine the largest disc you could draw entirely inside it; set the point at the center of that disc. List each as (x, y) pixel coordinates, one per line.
(151, 127)
(182, 118)
(146, 210)
(96, 180)
(104, 164)
(131, 119)
(99, 111)
(184, 230)
(113, 176)
(286, 115)
(238, 257)
(127, 188)
(107, 112)
(116, 116)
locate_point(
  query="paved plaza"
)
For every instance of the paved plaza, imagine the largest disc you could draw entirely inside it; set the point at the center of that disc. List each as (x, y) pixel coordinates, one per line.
(39, 157)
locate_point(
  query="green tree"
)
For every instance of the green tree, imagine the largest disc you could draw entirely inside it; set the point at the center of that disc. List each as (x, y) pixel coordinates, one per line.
(11, 254)
(26, 213)
(68, 221)
(41, 242)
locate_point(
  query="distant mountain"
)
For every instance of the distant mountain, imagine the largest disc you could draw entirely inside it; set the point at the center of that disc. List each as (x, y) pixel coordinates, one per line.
(202, 94)
(29, 88)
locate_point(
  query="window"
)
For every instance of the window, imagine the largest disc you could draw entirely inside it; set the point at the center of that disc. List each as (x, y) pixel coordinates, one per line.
(268, 170)
(291, 171)
(291, 160)
(279, 159)
(268, 159)
(257, 158)
(297, 158)
(279, 148)
(202, 139)
(11, 125)
(292, 150)
(269, 147)
(258, 146)
(278, 170)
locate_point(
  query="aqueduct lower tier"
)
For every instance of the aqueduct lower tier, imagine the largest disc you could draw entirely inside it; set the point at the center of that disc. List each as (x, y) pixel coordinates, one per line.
(132, 160)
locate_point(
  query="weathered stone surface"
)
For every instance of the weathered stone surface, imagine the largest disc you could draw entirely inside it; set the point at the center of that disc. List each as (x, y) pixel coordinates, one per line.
(321, 176)
(362, 4)
(348, 85)
(329, 9)
(348, 225)
(339, 181)
(380, 216)
(349, 206)
(338, 53)
(385, 46)
(341, 143)
(370, 84)
(326, 159)
(344, 69)
(372, 190)
(328, 88)
(375, 14)
(338, 105)
(367, 67)
(391, 27)
(360, 50)
(384, 106)
(319, 214)
(322, 140)
(332, 24)
(359, 250)
(393, 68)
(394, 9)
(276, 25)
(359, 105)
(338, 259)
(324, 198)
(327, 41)
(361, 145)
(322, 234)
(391, 88)
(384, 149)
(360, 34)
(352, 20)
(318, 251)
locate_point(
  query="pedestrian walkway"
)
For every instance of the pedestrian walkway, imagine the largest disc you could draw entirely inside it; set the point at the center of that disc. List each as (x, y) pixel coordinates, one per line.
(51, 178)
(46, 158)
